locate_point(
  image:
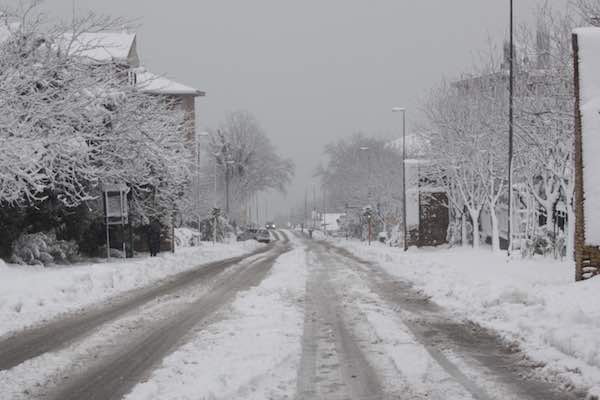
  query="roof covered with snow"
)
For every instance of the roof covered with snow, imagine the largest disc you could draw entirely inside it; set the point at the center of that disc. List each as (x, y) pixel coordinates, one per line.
(103, 46)
(153, 83)
(416, 145)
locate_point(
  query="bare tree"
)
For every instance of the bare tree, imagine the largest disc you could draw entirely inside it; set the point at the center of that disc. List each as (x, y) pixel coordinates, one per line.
(364, 172)
(247, 159)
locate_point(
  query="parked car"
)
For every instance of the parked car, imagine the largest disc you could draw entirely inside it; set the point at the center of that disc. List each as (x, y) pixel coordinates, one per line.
(263, 236)
(247, 234)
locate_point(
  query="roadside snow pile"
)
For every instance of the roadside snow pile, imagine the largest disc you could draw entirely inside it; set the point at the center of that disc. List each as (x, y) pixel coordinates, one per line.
(186, 237)
(253, 354)
(533, 302)
(33, 294)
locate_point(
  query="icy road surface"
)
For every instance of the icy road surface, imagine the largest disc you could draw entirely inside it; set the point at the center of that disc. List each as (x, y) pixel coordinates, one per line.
(300, 319)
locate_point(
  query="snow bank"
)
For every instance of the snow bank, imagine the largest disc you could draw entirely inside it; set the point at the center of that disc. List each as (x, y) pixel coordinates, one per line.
(187, 237)
(30, 295)
(533, 302)
(253, 354)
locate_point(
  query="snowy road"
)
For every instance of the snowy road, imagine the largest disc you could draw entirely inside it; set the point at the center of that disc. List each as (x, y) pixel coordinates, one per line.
(302, 319)
(39, 340)
(419, 352)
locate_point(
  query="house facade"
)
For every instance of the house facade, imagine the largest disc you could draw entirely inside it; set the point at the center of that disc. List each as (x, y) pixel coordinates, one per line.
(119, 50)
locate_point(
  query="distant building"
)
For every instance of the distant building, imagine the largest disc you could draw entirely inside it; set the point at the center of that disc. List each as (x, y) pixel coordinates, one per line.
(427, 211)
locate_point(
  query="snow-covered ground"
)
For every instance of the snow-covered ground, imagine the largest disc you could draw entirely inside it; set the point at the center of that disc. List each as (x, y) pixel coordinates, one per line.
(30, 295)
(532, 302)
(251, 354)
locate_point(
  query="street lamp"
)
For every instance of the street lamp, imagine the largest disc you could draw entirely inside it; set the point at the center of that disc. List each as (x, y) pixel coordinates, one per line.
(367, 148)
(198, 199)
(510, 132)
(368, 215)
(404, 222)
(227, 164)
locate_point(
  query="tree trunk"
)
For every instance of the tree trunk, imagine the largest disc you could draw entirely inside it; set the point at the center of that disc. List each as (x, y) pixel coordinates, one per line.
(495, 230)
(475, 221)
(465, 237)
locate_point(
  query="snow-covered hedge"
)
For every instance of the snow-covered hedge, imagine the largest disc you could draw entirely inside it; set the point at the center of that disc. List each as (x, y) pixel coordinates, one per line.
(43, 249)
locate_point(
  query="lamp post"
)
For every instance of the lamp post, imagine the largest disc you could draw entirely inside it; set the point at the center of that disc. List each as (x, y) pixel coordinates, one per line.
(404, 222)
(366, 149)
(215, 196)
(510, 131)
(198, 198)
(368, 214)
(227, 164)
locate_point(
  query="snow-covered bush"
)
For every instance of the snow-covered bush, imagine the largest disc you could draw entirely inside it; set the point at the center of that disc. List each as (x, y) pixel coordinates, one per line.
(546, 242)
(43, 249)
(114, 253)
(186, 237)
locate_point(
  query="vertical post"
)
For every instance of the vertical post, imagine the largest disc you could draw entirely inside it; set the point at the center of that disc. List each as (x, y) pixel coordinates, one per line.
(510, 133)
(404, 217)
(214, 226)
(131, 237)
(198, 177)
(314, 216)
(107, 225)
(215, 182)
(226, 189)
(122, 200)
(579, 193)
(173, 232)
(305, 208)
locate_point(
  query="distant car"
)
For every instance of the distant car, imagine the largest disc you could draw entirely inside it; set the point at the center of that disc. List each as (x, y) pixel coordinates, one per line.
(248, 234)
(263, 236)
(270, 225)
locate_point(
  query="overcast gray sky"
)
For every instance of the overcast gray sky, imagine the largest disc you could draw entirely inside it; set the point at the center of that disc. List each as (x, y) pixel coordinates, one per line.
(311, 71)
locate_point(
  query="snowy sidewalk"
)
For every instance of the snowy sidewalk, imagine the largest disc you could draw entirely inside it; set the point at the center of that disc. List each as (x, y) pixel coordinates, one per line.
(31, 295)
(534, 303)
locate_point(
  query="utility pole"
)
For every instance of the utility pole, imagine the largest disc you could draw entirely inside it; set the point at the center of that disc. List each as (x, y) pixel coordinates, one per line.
(510, 133)
(305, 208)
(266, 211)
(404, 214)
(227, 189)
(314, 216)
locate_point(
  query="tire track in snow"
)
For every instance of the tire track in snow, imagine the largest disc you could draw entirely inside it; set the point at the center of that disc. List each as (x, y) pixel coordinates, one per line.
(115, 374)
(59, 333)
(475, 357)
(333, 365)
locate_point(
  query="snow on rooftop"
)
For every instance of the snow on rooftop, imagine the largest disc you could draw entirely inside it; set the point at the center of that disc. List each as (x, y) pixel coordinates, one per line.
(152, 83)
(416, 145)
(102, 46)
(589, 71)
